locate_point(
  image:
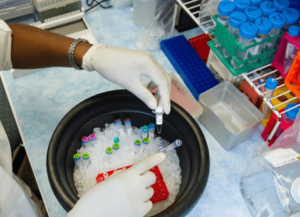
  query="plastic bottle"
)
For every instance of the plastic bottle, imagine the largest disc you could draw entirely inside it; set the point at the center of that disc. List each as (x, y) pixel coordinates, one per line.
(236, 19)
(77, 159)
(85, 142)
(292, 16)
(128, 126)
(255, 2)
(264, 26)
(145, 131)
(225, 8)
(108, 155)
(176, 144)
(118, 125)
(281, 4)
(85, 160)
(143, 12)
(151, 128)
(278, 20)
(291, 50)
(93, 139)
(267, 8)
(270, 185)
(252, 13)
(271, 85)
(247, 32)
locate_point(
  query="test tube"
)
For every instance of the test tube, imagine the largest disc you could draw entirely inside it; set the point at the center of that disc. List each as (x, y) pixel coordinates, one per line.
(267, 8)
(118, 125)
(93, 139)
(85, 142)
(151, 128)
(137, 146)
(85, 160)
(145, 131)
(116, 148)
(253, 13)
(116, 140)
(177, 143)
(278, 20)
(255, 2)
(236, 19)
(159, 118)
(271, 85)
(247, 32)
(281, 4)
(241, 5)
(145, 142)
(77, 159)
(108, 155)
(291, 15)
(291, 50)
(128, 126)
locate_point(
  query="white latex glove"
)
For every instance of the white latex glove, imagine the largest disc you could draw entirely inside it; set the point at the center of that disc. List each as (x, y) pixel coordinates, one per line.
(126, 194)
(125, 67)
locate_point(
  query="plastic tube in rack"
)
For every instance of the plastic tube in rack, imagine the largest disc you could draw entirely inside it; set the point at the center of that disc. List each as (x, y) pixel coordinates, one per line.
(85, 142)
(151, 128)
(137, 146)
(145, 131)
(116, 148)
(128, 126)
(118, 125)
(145, 141)
(93, 139)
(176, 144)
(108, 155)
(85, 160)
(77, 159)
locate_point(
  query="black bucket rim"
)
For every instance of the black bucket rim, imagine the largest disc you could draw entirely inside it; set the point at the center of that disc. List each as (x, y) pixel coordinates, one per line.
(194, 194)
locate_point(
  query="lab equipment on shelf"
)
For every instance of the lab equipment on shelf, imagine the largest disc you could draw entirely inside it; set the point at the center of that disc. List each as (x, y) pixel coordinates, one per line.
(93, 139)
(278, 21)
(128, 126)
(271, 85)
(85, 160)
(85, 142)
(176, 144)
(108, 155)
(252, 13)
(271, 182)
(291, 50)
(118, 125)
(292, 16)
(267, 7)
(145, 131)
(281, 4)
(151, 128)
(241, 5)
(77, 159)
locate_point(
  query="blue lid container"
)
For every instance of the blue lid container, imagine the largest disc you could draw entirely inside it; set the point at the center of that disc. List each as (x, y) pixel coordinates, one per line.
(151, 126)
(225, 8)
(267, 8)
(278, 20)
(291, 15)
(255, 2)
(253, 13)
(237, 18)
(271, 83)
(241, 5)
(281, 4)
(294, 31)
(264, 25)
(248, 30)
(292, 114)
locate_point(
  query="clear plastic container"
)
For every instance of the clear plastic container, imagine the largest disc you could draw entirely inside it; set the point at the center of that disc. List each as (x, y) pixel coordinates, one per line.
(241, 5)
(247, 32)
(267, 8)
(145, 131)
(116, 148)
(270, 185)
(278, 21)
(291, 50)
(77, 159)
(143, 12)
(151, 128)
(292, 16)
(109, 152)
(145, 142)
(137, 146)
(271, 85)
(118, 125)
(176, 144)
(281, 4)
(85, 160)
(128, 126)
(236, 19)
(93, 139)
(252, 13)
(255, 2)
(85, 142)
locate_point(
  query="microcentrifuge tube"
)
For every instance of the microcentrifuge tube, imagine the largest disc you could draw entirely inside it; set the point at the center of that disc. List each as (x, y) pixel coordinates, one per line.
(128, 126)
(151, 128)
(85, 142)
(85, 160)
(159, 118)
(108, 155)
(118, 125)
(116, 148)
(77, 159)
(116, 140)
(137, 146)
(145, 141)
(177, 143)
(145, 131)
(93, 139)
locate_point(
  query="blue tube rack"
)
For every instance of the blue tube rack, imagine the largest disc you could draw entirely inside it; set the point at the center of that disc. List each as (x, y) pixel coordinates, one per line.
(191, 68)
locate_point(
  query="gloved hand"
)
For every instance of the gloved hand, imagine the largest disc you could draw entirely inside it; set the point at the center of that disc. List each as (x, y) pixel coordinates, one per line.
(124, 67)
(126, 194)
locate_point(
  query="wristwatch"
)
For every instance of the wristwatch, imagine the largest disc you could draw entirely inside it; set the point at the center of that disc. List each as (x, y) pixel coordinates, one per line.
(71, 52)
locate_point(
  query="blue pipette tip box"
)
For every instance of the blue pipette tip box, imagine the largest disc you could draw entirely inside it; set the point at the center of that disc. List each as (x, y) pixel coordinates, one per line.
(191, 68)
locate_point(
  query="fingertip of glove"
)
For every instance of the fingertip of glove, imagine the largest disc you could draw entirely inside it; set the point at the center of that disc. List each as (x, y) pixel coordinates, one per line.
(160, 157)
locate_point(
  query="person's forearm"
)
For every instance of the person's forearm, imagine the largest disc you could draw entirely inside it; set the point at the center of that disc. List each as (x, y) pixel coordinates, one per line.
(36, 48)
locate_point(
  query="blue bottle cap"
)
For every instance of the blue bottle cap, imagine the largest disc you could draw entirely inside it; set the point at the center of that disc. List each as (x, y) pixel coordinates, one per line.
(278, 20)
(137, 142)
(281, 4)
(271, 83)
(267, 8)
(241, 5)
(264, 25)
(291, 14)
(294, 31)
(237, 18)
(178, 143)
(118, 121)
(255, 2)
(248, 30)
(253, 13)
(151, 126)
(292, 114)
(127, 121)
(225, 8)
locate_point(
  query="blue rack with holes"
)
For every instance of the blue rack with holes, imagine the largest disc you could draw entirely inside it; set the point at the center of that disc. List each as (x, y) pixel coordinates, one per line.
(191, 68)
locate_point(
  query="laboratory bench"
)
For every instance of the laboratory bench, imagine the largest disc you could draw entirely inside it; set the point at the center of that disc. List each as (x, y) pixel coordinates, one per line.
(41, 99)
